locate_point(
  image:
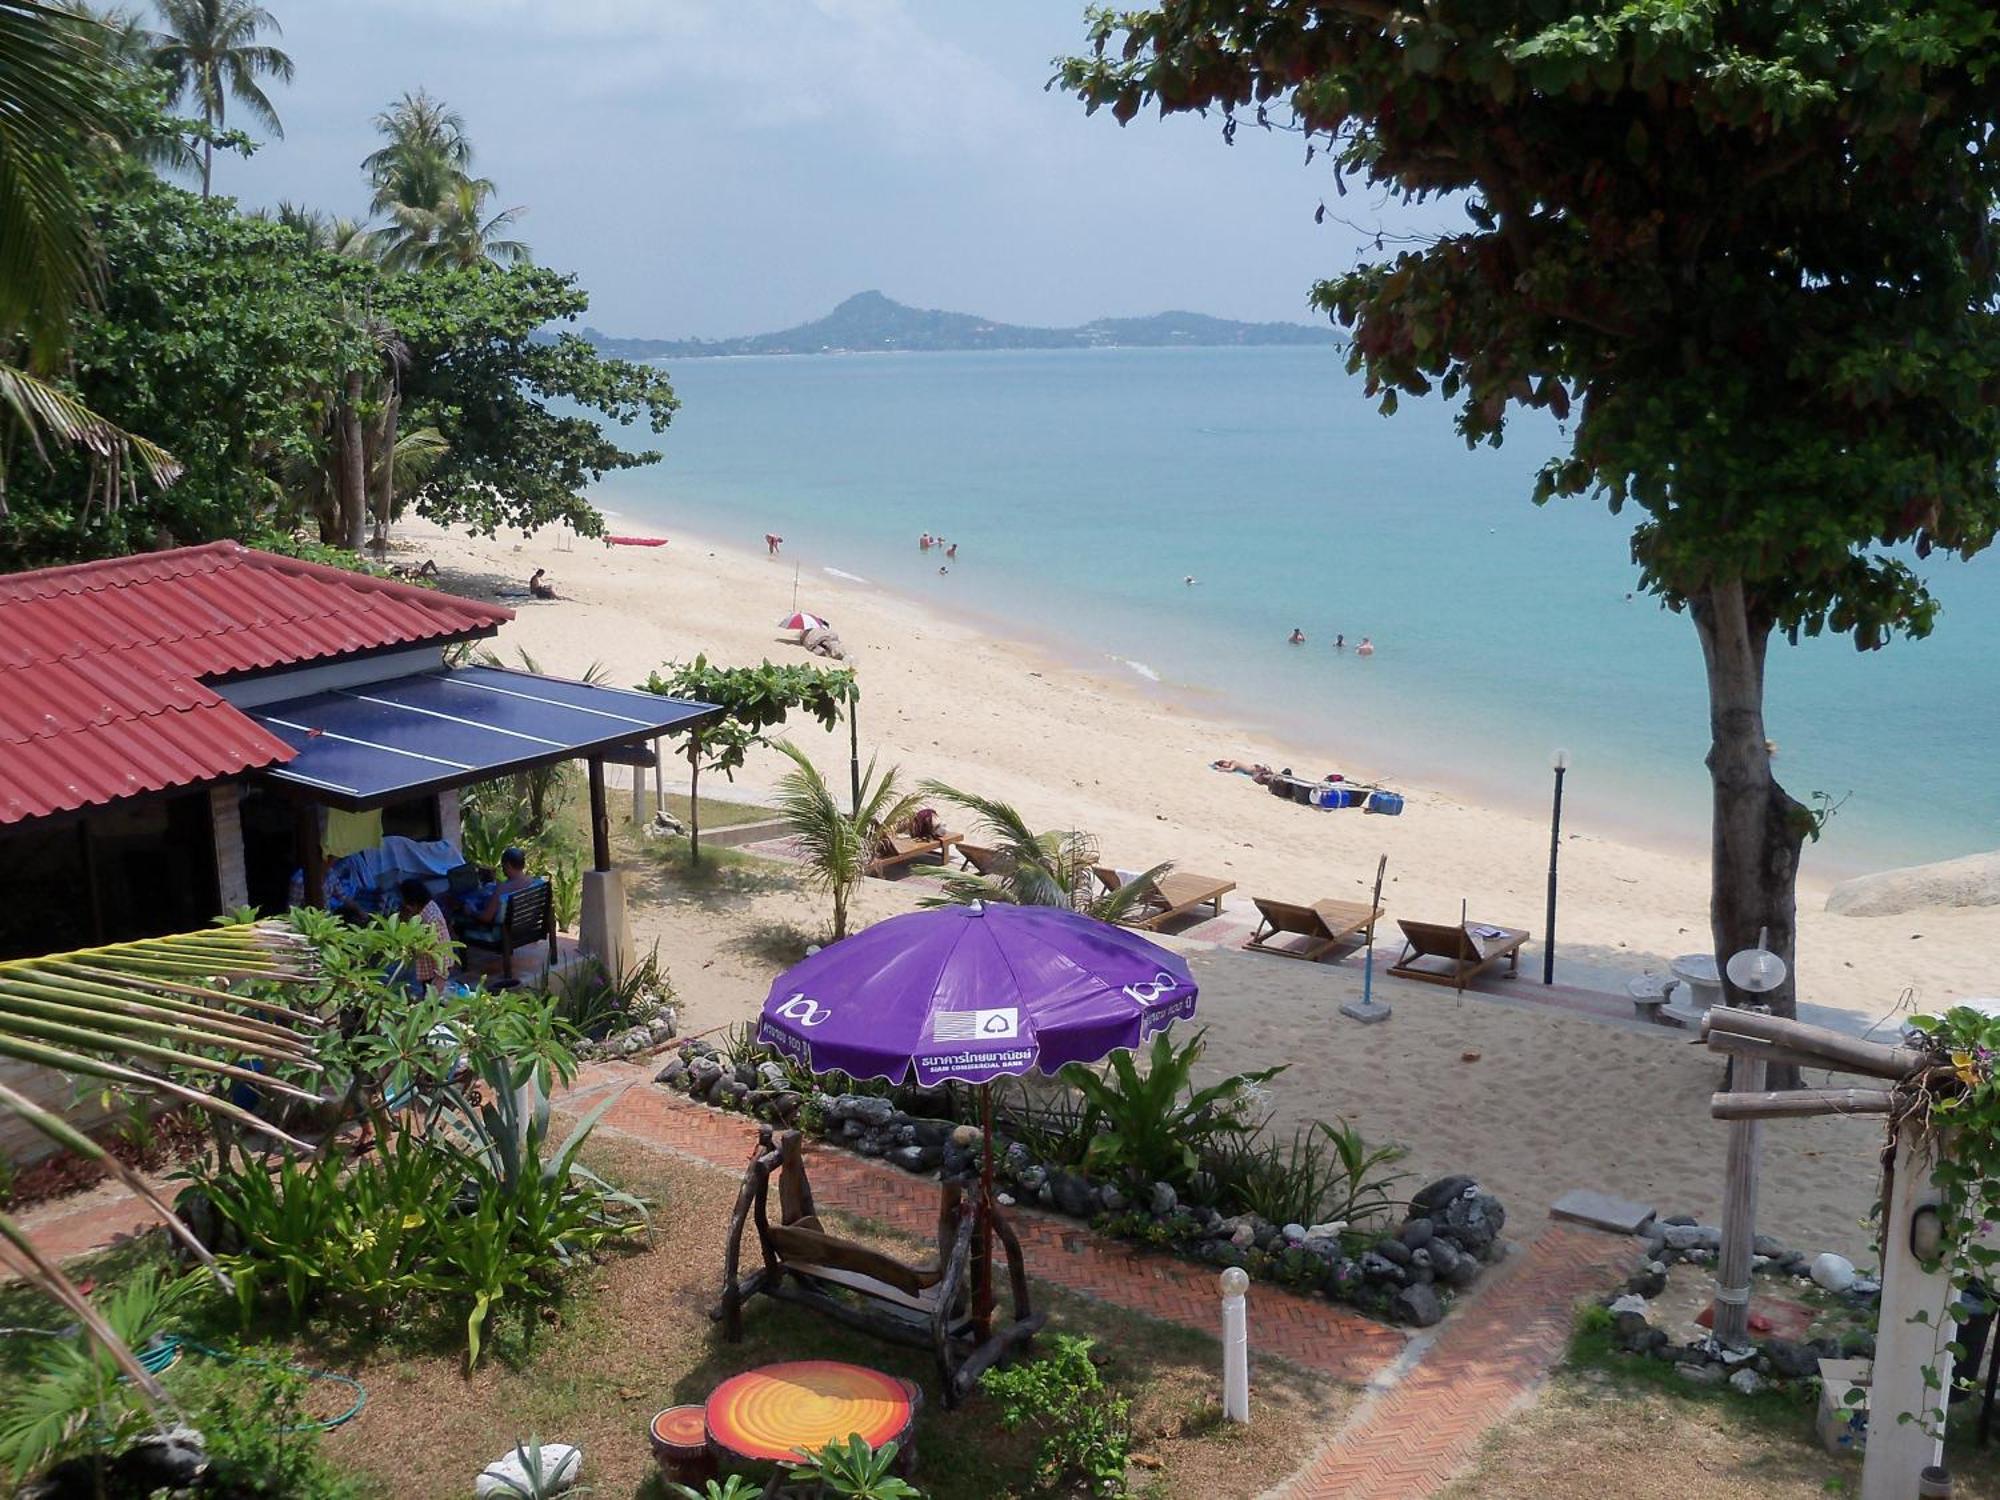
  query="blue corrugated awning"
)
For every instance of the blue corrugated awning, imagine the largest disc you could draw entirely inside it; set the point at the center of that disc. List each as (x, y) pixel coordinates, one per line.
(382, 742)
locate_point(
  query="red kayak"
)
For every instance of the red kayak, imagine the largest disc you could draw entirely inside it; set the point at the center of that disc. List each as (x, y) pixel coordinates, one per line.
(637, 541)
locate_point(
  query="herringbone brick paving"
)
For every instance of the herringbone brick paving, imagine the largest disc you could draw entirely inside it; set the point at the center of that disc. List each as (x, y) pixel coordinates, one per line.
(1490, 1354)
(1304, 1331)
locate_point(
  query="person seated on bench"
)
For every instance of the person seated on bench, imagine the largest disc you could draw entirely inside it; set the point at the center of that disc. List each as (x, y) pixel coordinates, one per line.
(424, 970)
(513, 877)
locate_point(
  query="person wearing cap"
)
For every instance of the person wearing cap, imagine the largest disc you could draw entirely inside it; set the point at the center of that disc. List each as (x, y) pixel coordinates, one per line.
(513, 877)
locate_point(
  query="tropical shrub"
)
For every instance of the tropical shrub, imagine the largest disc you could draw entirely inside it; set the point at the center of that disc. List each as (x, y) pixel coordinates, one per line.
(1153, 1126)
(261, 1443)
(1362, 1188)
(1324, 1172)
(852, 1470)
(74, 1401)
(1035, 869)
(837, 845)
(732, 1487)
(1086, 1429)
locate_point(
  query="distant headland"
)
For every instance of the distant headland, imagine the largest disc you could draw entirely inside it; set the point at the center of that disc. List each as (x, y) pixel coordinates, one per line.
(871, 321)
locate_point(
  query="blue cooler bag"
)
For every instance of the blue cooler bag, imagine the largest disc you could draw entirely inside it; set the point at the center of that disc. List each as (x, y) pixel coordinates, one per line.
(1390, 804)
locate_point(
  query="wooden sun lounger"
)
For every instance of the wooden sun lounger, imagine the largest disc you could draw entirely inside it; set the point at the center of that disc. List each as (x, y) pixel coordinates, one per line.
(1174, 894)
(981, 860)
(1318, 929)
(904, 847)
(1466, 952)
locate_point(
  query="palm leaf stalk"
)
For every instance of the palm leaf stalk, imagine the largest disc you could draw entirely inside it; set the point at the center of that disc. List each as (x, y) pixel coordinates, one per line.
(48, 414)
(101, 1012)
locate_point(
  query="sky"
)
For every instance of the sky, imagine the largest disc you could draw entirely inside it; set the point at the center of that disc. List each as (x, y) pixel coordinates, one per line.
(719, 167)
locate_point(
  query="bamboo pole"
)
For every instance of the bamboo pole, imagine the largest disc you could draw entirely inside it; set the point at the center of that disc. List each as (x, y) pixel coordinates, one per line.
(1739, 1218)
(1832, 1049)
(1794, 1103)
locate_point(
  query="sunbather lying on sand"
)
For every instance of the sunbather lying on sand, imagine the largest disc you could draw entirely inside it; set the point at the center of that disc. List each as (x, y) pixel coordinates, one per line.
(1258, 772)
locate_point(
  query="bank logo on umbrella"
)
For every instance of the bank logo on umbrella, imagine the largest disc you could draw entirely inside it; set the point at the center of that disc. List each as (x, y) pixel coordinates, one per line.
(975, 1025)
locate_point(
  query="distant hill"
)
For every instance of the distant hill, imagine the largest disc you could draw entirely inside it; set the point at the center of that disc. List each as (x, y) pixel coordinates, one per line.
(871, 321)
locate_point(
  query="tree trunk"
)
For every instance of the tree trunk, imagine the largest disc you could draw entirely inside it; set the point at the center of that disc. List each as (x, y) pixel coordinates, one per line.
(353, 464)
(384, 471)
(1758, 828)
(694, 799)
(207, 164)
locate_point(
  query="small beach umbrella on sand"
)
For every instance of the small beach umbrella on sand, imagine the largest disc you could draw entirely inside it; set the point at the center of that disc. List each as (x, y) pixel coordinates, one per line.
(800, 621)
(969, 994)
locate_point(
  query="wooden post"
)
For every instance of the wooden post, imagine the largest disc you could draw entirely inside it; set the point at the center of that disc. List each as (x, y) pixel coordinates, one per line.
(1898, 1451)
(600, 818)
(1739, 1219)
(638, 796)
(659, 775)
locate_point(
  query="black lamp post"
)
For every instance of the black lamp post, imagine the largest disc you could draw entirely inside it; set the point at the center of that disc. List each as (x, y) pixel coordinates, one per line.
(1555, 848)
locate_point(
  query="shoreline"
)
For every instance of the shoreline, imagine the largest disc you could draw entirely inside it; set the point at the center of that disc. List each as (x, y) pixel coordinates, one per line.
(961, 699)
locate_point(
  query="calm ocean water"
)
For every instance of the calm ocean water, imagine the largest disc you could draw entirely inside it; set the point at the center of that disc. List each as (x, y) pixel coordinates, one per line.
(1083, 486)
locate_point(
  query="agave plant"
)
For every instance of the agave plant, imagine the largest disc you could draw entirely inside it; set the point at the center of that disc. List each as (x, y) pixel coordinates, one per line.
(837, 844)
(1036, 869)
(143, 1016)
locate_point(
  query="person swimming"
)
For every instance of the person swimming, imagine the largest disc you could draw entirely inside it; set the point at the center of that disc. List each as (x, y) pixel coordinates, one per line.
(1366, 648)
(924, 541)
(952, 551)
(1297, 637)
(1190, 580)
(1340, 643)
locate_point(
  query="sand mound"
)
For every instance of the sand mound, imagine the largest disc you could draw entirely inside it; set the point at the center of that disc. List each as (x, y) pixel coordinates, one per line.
(1971, 881)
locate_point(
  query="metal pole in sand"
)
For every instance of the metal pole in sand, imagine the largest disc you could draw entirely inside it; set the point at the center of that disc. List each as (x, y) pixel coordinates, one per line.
(1367, 1010)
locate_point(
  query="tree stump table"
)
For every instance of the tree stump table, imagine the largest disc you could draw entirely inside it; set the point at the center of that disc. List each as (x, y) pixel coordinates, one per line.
(767, 1415)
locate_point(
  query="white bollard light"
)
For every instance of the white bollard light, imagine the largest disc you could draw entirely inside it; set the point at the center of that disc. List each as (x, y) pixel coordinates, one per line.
(1235, 1345)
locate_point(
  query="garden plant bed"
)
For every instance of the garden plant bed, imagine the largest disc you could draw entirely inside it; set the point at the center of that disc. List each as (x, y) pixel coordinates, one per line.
(1406, 1272)
(633, 1335)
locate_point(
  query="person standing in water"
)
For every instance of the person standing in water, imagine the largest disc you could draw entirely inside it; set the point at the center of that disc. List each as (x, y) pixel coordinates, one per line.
(772, 542)
(1340, 643)
(1298, 637)
(1366, 648)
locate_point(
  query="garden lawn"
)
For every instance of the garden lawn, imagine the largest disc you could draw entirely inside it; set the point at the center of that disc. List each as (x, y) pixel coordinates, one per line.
(634, 1336)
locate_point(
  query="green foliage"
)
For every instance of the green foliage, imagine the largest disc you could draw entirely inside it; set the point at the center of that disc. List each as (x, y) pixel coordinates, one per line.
(854, 1470)
(734, 1487)
(209, 49)
(74, 1400)
(1153, 1126)
(837, 844)
(1087, 1434)
(262, 1445)
(754, 700)
(595, 1003)
(541, 1480)
(1362, 1187)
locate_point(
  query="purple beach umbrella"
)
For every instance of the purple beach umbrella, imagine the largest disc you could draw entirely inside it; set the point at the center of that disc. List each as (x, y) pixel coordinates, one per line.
(972, 993)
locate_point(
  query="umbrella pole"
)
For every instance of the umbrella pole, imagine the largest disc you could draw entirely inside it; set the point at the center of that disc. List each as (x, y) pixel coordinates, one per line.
(982, 1255)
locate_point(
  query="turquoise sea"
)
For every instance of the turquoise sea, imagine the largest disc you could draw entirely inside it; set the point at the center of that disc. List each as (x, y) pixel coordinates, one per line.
(1083, 486)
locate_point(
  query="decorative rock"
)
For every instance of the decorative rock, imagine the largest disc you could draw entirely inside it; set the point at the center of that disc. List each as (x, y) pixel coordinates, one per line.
(1005, 1200)
(1378, 1268)
(1392, 1249)
(1864, 1287)
(1700, 1374)
(1445, 1258)
(966, 1136)
(911, 1158)
(707, 1073)
(1329, 1230)
(1034, 1179)
(1834, 1272)
(1628, 1303)
(508, 1476)
(673, 1072)
(1763, 1244)
(1474, 1219)
(1417, 1306)
(1632, 1328)
(1111, 1198)
(863, 1107)
(1425, 1203)
(1746, 1382)
(1416, 1233)
(773, 1075)
(1162, 1199)
(1648, 1281)
(1294, 1232)
(1601, 1211)
(1791, 1361)
(1243, 1236)
(1857, 1343)
(1693, 1237)
(1073, 1195)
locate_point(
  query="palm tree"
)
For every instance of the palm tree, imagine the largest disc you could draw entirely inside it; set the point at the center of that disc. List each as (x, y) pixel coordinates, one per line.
(53, 100)
(129, 1015)
(837, 844)
(425, 152)
(335, 233)
(1036, 869)
(454, 231)
(210, 50)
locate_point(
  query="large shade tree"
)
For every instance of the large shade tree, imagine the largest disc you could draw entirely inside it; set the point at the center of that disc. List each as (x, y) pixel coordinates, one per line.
(1742, 249)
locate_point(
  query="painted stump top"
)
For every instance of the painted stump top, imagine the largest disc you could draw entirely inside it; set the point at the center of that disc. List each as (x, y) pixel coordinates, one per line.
(769, 1413)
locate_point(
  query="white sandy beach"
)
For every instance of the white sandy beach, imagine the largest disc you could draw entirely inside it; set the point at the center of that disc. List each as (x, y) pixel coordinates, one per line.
(1553, 1100)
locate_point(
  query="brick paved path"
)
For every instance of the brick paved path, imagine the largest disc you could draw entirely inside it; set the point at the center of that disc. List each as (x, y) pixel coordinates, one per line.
(1490, 1355)
(1306, 1331)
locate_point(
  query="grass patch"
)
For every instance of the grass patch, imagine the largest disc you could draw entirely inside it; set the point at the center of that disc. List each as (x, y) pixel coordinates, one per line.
(719, 814)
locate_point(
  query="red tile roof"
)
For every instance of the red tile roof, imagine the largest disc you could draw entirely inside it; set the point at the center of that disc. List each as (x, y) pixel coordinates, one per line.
(104, 666)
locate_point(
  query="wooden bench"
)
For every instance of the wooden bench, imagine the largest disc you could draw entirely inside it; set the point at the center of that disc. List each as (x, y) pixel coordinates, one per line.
(931, 1303)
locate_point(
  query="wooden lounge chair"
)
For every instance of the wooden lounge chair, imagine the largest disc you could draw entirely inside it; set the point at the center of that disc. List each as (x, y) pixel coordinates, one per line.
(1466, 951)
(981, 860)
(901, 848)
(1310, 932)
(1174, 894)
(929, 1303)
(527, 916)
